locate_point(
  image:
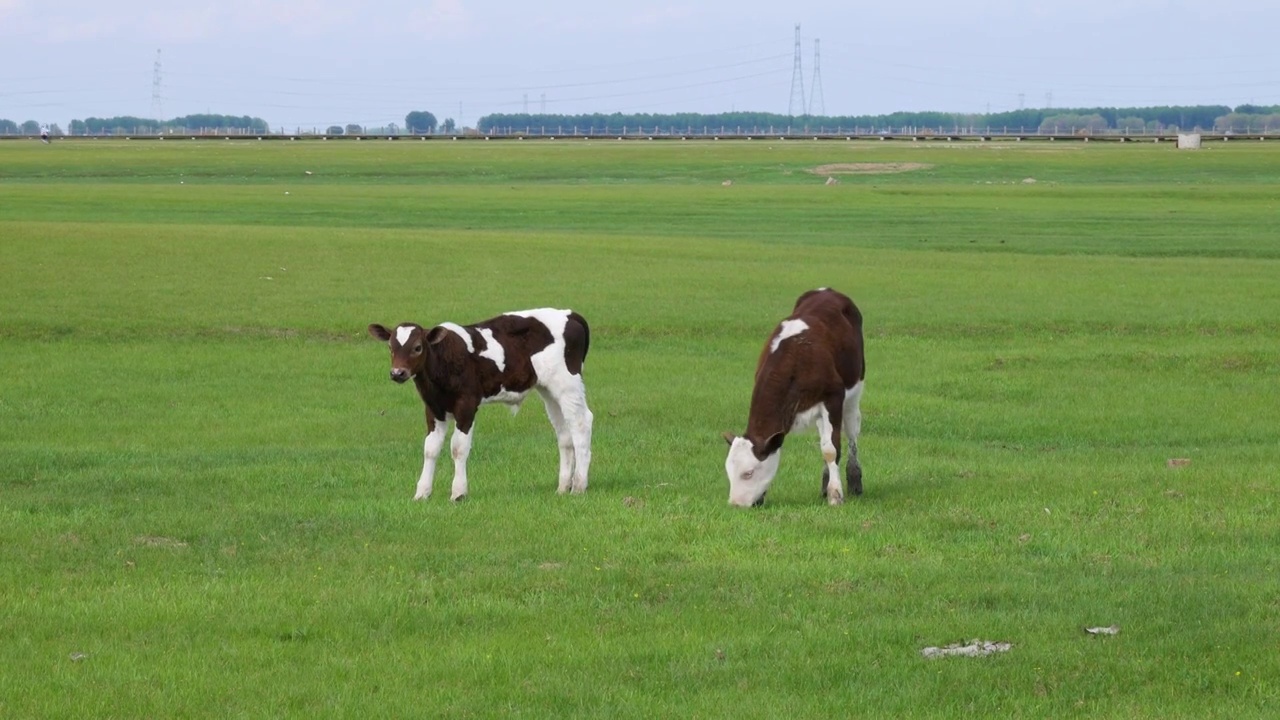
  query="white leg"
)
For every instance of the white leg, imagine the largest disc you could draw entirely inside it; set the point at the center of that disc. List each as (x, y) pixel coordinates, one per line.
(564, 439)
(852, 429)
(579, 419)
(430, 451)
(834, 494)
(460, 446)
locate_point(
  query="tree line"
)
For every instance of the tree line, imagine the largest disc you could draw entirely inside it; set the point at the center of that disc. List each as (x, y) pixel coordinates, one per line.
(126, 124)
(1220, 118)
(1244, 118)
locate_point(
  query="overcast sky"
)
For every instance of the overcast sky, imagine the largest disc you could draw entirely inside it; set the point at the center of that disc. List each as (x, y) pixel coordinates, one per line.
(313, 63)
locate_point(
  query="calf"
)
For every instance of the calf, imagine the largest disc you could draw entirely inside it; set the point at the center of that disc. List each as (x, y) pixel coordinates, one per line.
(810, 372)
(457, 369)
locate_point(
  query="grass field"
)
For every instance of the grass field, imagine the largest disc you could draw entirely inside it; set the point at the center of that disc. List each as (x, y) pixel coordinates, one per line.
(205, 475)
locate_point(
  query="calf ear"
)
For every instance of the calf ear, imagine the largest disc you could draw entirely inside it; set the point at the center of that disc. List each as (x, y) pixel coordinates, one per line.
(729, 437)
(436, 335)
(771, 446)
(379, 332)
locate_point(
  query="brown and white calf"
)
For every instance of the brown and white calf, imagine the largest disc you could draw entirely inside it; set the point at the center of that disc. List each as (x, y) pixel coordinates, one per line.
(810, 373)
(459, 368)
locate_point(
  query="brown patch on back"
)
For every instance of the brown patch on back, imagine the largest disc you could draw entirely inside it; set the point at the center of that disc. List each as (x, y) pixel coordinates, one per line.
(868, 168)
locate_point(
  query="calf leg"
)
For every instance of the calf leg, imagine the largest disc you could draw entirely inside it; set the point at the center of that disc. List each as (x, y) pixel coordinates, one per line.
(460, 447)
(852, 429)
(430, 451)
(564, 439)
(578, 418)
(829, 441)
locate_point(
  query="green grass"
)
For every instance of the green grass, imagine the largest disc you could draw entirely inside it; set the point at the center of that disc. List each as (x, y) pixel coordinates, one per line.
(205, 475)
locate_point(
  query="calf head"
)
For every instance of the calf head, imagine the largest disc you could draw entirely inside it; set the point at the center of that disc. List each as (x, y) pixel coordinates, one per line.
(408, 349)
(751, 467)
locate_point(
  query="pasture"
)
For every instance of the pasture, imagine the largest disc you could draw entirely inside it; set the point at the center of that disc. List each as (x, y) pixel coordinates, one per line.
(205, 473)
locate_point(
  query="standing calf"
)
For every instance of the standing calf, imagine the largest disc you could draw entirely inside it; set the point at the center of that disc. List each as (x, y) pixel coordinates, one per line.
(457, 369)
(810, 372)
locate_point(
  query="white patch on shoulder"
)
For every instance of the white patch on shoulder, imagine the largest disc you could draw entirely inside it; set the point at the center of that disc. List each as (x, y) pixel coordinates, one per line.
(493, 350)
(402, 334)
(788, 328)
(458, 330)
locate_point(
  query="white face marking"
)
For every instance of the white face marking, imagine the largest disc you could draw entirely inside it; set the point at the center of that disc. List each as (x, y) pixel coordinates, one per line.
(402, 334)
(749, 478)
(456, 329)
(788, 328)
(493, 350)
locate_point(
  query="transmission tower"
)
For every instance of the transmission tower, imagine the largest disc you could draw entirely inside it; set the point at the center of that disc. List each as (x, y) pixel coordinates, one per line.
(797, 81)
(815, 88)
(157, 109)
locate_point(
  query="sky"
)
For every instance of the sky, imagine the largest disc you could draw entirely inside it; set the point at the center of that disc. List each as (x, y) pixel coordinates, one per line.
(308, 64)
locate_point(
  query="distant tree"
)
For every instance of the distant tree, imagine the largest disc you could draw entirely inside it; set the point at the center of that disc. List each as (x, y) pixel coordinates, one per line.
(1246, 122)
(448, 125)
(217, 123)
(392, 129)
(420, 122)
(1131, 124)
(1258, 109)
(333, 130)
(55, 131)
(1069, 123)
(31, 127)
(8, 127)
(117, 125)
(353, 129)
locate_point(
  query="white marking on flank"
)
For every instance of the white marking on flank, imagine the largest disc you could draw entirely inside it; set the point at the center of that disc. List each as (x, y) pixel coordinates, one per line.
(493, 350)
(788, 328)
(402, 333)
(456, 329)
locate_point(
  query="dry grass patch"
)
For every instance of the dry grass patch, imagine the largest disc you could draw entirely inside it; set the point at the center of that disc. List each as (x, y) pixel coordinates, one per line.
(868, 168)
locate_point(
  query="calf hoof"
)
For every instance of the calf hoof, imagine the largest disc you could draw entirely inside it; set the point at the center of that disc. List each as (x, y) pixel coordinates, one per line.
(421, 496)
(835, 500)
(855, 482)
(458, 498)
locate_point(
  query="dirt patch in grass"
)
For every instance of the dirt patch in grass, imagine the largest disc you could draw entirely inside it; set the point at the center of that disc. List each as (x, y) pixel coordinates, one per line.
(868, 168)
(158, 541)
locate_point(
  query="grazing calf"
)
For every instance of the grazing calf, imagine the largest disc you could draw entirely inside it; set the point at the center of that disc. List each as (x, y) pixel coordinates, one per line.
(810, 372)
(457, 369)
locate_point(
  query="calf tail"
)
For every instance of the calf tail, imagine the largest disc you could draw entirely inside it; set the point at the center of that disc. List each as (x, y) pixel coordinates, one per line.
(576, 344)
